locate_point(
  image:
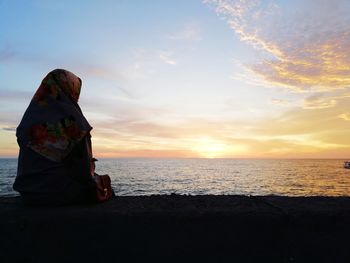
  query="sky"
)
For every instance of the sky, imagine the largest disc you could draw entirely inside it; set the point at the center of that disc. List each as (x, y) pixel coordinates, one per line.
(187, 78)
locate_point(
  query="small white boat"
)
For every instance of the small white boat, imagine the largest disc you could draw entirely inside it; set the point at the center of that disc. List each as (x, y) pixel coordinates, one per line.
(347, 164)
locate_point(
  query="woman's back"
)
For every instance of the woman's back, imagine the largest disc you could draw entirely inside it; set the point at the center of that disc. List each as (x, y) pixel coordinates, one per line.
(55, 164)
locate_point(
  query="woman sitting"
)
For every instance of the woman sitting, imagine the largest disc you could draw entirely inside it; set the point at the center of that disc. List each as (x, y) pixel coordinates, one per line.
(55, 163)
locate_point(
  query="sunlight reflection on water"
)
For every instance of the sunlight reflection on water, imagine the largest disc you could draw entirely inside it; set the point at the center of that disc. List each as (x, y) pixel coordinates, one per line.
(214, 176)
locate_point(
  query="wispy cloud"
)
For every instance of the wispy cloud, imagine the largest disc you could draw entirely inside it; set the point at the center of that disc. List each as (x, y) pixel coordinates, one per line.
(11, 95)
(6, 53)
(167, 57)
(10, 119)
(323, 100)
(280, 102)
(318, 101)
(9, 129)
(190, 32)
(302, 51)
(344, 116)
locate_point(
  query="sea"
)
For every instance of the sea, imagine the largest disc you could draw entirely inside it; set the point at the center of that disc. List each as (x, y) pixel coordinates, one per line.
(143, 176)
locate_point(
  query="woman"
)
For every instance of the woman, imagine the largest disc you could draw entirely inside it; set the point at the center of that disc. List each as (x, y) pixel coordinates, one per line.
(55, 163)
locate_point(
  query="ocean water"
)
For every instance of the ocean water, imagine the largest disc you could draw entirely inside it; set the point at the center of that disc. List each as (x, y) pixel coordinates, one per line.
(214, 176)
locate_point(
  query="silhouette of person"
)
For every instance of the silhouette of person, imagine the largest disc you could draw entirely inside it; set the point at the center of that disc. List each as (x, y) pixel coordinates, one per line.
(55, 163)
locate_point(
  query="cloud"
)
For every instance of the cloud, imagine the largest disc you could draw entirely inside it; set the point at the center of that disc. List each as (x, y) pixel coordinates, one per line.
(323, 100)
(10, 118)
(344, 116)
(115, 76)
(301, 50)
(10, 95)
(190, 32)
(9, 129)
(320, 126)
(167, 57)
(318, 101)
(7, 53)
(280, 102)
(14, 103)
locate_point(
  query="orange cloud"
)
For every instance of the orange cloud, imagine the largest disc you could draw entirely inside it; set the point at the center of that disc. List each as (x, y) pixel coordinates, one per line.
(344, 116)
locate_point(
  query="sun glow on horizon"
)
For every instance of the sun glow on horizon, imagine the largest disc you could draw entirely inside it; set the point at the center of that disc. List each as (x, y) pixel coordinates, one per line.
(210, 148)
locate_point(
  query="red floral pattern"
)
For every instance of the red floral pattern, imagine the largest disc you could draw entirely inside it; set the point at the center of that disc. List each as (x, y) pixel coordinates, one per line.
(38, 134)
(55, 140)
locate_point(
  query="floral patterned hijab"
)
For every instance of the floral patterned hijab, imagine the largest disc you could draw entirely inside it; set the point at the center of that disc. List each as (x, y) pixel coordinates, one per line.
(53, 122)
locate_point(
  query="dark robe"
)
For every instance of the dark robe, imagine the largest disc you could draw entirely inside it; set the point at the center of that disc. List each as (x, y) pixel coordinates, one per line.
(41, 181)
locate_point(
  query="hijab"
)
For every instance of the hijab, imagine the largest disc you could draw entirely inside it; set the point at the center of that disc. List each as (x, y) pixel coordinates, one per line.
(53, 123)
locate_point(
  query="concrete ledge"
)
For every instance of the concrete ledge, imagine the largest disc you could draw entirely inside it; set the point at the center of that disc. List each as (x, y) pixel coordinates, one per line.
(174, 228)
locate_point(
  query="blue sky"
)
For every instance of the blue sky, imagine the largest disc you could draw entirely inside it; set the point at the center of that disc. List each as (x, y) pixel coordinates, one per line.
(187, 78)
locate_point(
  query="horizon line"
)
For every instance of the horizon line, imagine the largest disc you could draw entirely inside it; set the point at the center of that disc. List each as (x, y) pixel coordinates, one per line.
(211, 158)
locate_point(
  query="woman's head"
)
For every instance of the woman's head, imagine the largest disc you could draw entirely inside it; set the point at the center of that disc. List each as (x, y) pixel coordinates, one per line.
(69, 83)
(57, 82)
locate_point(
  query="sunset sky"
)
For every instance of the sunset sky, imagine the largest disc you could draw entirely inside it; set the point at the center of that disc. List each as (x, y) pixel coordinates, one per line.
(187, 78)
